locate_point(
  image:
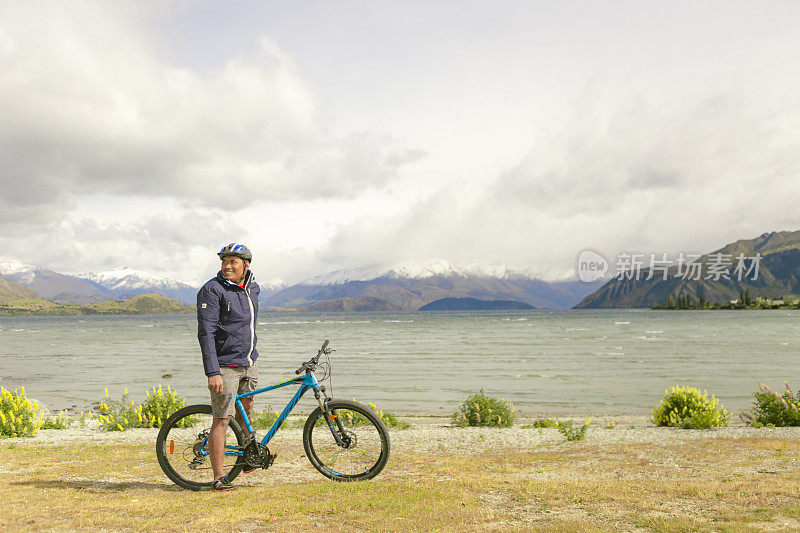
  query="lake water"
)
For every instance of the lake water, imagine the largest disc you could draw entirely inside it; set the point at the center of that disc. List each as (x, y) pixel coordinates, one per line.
(546, 362)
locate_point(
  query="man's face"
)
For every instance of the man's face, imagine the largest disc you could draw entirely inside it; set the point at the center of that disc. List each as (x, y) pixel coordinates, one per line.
(233, 268)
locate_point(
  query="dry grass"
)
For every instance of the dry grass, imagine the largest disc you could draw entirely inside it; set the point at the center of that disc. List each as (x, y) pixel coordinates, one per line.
(716, 484)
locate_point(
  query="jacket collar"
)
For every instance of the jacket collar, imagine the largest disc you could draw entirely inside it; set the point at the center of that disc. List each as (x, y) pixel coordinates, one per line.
(248, 277)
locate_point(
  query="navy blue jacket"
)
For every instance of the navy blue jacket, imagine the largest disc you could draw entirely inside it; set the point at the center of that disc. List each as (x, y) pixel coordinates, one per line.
(226, 323)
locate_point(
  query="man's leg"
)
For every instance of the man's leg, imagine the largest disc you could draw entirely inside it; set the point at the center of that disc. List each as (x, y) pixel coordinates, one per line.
(247, 403)
(247, 383)
(216, 445)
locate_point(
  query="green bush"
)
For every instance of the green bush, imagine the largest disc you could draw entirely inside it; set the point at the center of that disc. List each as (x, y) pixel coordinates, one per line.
(159, 406)
(571, 432)
(542, 423)
(264, 419)
(687, 408)
(59, 421)
(773, 409)
(352, 418)
(481, 410)
(18, 415)
(126, 414)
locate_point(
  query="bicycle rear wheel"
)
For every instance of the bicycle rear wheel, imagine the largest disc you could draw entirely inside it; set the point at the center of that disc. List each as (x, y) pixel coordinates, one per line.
(182, 448)
(365, 447)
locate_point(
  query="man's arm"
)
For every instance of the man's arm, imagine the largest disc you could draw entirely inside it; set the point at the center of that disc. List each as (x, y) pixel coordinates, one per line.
(207, 323)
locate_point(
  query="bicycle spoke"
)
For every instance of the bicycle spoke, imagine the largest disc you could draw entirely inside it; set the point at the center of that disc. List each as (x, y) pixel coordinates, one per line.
(185, 449)
(361, 452)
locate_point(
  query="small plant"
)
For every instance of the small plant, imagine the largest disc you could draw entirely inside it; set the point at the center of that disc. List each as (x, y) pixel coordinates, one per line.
(389, 419)
(611, 425)
(159, 406)
(481, 410)
(571, 432)
(773, 408)
(265, 418)
(688, 408)
(126, 414)
(542, 423)
(59, 421)
(18, 415)
(352, 418)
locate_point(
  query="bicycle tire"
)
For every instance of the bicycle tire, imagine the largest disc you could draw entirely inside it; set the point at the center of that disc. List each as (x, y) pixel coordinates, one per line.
(172, 463)
(371, 436)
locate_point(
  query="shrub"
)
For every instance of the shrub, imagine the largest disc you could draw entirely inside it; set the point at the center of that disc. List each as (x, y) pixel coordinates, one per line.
(126, 414)
(159, 406)
(352, 418)
(687, 408)
(542, 423)
(59, 421)
(481, 410)
(18, 415)
(571, 432)
(265, 418)
(773, 409)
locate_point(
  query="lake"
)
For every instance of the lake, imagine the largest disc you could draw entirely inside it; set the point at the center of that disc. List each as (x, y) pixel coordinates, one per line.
(546, 362)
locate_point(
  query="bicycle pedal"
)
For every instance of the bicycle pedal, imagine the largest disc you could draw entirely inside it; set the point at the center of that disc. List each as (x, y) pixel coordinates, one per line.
(270, 460)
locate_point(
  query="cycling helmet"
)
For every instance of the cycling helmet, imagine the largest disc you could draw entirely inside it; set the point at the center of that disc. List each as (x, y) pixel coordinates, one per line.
(236, 249)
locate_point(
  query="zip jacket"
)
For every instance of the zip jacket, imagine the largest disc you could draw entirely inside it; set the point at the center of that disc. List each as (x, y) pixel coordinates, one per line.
(226, 322)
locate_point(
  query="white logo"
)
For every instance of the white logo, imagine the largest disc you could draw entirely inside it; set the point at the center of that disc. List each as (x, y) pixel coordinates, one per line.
(203, 306)
(591, 266)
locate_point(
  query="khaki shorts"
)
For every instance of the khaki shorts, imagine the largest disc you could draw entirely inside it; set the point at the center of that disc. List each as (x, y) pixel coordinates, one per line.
(234, 381)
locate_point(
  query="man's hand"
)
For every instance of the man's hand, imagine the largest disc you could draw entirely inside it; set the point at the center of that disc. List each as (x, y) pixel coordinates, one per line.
(215, 384)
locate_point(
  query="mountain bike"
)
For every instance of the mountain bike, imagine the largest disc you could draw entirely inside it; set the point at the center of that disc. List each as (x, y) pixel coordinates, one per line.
(344, 440)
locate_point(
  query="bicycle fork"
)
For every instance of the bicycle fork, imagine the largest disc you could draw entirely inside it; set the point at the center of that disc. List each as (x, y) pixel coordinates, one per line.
(323, 404)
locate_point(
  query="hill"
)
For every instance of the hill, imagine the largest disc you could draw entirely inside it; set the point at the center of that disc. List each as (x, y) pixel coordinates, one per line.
(778, 274)
(473, 304)
(352, 305)
(9, 291)
(145, 304)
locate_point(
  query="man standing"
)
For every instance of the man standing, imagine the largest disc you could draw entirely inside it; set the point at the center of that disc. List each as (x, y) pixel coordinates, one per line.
(227, 307)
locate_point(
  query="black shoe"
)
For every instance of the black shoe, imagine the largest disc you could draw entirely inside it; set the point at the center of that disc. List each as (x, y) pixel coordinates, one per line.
(222, 484)
(248, 469)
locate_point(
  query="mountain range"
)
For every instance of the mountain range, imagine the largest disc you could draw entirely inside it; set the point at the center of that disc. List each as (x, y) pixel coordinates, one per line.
(406, 287)
(409, 286)
(778, 275)
(120, 284)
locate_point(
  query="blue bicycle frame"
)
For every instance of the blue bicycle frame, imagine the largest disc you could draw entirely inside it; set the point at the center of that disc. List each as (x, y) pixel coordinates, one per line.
(309, 381)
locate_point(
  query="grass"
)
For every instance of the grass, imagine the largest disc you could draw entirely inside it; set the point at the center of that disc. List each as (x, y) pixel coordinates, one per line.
(716, 484)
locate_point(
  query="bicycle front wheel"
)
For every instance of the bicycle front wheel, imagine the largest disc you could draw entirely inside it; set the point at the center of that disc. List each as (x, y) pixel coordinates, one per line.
(182, 448)
(363, 446)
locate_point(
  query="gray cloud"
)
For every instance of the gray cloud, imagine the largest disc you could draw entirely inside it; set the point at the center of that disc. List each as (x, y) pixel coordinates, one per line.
(689, 174)
(171, 244)
(90, 106)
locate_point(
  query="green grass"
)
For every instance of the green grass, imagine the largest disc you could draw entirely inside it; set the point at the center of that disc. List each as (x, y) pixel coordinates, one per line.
(715, 484)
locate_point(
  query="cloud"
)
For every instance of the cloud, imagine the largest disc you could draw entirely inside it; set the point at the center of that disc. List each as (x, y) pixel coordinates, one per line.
(91, 104)
(631, 168)
(173, 244)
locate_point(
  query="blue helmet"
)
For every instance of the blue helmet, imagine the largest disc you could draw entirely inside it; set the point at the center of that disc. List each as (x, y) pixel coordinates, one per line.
(236, 249)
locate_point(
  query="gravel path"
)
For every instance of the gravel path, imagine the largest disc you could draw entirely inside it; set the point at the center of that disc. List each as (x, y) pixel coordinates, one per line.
(435, 434)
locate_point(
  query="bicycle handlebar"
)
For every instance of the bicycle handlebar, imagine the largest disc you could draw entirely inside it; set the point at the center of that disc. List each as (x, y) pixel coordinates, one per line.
(311, 364)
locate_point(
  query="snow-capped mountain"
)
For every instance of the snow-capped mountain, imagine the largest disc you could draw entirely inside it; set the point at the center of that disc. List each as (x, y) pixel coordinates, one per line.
(126, 282)
(409, 286)
(439, 268)
(54, 286)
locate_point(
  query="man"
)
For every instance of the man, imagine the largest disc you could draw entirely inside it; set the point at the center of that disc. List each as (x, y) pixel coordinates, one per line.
(227, 307)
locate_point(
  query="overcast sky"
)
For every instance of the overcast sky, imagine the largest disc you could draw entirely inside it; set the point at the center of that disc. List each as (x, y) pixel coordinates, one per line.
(330, 135)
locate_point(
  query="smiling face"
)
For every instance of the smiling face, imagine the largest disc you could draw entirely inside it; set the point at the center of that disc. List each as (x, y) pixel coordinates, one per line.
(233, 268)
